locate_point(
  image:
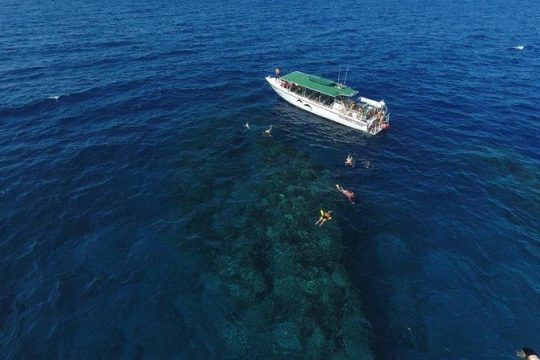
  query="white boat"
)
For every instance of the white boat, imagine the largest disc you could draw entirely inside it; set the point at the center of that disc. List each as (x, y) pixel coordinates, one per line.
(331, 100)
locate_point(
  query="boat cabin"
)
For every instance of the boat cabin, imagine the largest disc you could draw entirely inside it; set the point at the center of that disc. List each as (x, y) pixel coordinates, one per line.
(332, 95)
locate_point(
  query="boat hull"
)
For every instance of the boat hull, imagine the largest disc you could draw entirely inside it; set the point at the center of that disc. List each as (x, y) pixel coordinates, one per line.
(318, 109)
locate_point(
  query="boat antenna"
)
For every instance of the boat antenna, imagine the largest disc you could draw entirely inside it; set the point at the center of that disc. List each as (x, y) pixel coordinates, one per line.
(346, 74)
(339, 73)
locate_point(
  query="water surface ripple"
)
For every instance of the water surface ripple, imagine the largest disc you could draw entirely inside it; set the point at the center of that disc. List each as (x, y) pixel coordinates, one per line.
(141, 220)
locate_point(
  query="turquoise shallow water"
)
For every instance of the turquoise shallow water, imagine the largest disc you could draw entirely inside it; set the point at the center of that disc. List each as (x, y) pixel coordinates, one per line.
(141, 220)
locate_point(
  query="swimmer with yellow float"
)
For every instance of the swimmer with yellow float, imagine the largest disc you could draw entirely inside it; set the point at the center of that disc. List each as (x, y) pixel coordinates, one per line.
(325, 216)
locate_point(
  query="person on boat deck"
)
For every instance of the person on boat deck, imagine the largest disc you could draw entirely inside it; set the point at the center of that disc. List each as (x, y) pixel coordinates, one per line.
(348, 194)
(370, 123)
(527, 354)
(380, 115)
(278, 72)
(325, 216)
(380, 118)
(349, 161)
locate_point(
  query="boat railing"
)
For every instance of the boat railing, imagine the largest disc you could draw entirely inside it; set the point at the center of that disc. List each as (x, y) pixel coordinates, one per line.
(354, 111)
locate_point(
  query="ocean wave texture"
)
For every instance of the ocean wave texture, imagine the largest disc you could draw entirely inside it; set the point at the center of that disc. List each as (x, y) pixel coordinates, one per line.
(141, 219)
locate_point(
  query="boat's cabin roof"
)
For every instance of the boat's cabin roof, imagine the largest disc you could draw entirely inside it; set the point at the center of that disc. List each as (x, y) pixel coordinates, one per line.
(319, 84)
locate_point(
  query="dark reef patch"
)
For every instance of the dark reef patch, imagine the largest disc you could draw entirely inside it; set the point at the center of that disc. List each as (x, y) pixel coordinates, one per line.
(289, 294)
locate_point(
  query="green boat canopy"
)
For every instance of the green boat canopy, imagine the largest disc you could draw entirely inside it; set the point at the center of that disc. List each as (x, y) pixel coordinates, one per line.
(319, 84)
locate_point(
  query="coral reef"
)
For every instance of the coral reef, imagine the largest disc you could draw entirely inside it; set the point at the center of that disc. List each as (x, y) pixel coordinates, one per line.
(292, 297)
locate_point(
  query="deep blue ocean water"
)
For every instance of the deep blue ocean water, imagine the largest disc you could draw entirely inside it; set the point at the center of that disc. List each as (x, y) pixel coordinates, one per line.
(140, 220)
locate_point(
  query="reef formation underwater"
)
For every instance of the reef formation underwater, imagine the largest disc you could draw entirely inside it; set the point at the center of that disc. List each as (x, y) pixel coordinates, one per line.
(288, 293)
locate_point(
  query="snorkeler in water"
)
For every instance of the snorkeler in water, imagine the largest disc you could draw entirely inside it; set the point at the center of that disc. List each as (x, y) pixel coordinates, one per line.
(347, 193)
(325, 216)
(268, 132)
(349, 161)
(247, 126)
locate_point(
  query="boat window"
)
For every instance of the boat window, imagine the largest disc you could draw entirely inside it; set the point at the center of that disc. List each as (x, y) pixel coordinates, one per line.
(327, 100)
